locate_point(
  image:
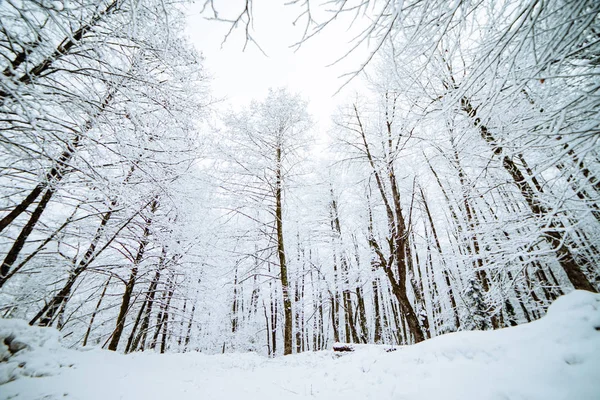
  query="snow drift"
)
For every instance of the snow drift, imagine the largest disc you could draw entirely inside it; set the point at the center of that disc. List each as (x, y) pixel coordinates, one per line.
(557, 357)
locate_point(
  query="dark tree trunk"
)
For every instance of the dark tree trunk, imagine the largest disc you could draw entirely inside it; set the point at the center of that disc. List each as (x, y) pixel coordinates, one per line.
(134, 331)
(47, 312)
(140, 339)
(165, 321)
(334, 320)
(234, 306)
(377, 334)
(50, 182)
(125, 303)
(19, 243)
(554, 233)
(31, 255)
(268, 330)
(274, 325)
(189, 329)
(285, 284)
(297, 299)
(397, 242)
(56, 173)
(438, 246)
(89, 329)
(482, 309)
(362, 316)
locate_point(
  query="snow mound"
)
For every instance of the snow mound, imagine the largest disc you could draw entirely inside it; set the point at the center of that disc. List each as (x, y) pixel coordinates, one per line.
(27, 351)
(579, 301)
(555, 358)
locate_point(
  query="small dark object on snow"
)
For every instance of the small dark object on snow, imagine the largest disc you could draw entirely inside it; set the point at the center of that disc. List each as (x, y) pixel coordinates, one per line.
(341, 348)
(391, 349)
(597, 328)
(14, 345)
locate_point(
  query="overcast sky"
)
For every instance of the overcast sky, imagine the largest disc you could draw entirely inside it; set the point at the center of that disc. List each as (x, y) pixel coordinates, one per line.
(241, 76)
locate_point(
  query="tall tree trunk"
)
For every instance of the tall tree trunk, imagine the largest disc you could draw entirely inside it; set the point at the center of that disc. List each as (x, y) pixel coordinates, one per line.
(399, 334)
(159, 320)
(181, 325)
(316, 327)
(234, 306)
(268, 330)
(125, 303)
(438, 247)
(19, 243)
(362, 316)
(285, 285)
(335, 302)
(188, 335)
(140, 339)
(273, 332)
(429, 278)
(554, 232)
(402, 248)
(165, 320)
(298, 335)
(134, 331)
(89, 329)
(274, 325)
(399, 290)
(350, 326)
(377, 313)
(334, 319)
(54, 176)
(31, 255)
(398, 245)
(482, 308)
(47, 312)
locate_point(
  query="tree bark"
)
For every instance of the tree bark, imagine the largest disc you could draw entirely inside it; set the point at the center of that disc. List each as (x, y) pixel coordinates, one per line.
(19, 243)
(47, 312)
(397, 242)
(438, 246)
(31, 255)
(165, 320)
(57, 172)
(189, 329)
(134, 332)
(554, 231)
(120, 325)
(285, 285)
(140, 340)
(89, 329)
(377, 315)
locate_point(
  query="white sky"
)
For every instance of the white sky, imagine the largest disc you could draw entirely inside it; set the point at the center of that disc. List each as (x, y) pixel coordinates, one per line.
(240, 76)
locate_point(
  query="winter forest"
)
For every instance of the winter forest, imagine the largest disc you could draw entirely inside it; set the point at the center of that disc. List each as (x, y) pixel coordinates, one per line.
(455, 187)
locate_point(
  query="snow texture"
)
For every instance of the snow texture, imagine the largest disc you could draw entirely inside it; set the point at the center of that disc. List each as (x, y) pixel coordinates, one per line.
(557, 357)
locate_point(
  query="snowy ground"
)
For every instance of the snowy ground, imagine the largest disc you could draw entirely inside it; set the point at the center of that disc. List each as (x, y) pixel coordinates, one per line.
(557, 357)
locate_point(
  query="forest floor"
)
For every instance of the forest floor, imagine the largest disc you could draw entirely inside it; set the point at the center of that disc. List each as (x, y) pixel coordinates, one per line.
(557, 357)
